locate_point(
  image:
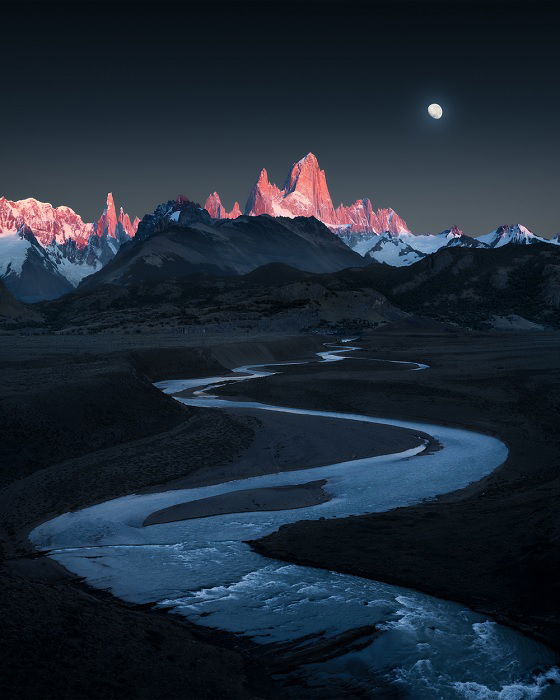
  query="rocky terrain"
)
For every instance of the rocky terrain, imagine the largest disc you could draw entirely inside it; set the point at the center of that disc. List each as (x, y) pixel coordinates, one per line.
(512, 287)
(480, 288)
(182, 240)
(305, 193)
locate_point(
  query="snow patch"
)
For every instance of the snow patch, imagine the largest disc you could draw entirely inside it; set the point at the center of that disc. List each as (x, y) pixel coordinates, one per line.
(13, 253)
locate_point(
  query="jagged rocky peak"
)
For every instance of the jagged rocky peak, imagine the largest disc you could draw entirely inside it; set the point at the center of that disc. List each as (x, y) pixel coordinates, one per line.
(264, 198)
(129, 226)
(119, 227)
(453, 232)
(179, 212)
(49, 224)
(107, 223)
(306, 193)
(47, 250)
(217, 210)
(306, 184)
(61, 224)
(305, 170)
(515, 230)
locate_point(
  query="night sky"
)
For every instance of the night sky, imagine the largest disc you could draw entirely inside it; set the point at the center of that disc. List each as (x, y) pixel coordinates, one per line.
(152, 100)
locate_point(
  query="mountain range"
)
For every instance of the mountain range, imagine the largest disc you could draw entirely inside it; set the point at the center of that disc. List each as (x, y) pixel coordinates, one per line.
(403, 249)
(305, 193)
(183, 268)
(512, 287)
(46, 251)
(380, 235)
(181, 239)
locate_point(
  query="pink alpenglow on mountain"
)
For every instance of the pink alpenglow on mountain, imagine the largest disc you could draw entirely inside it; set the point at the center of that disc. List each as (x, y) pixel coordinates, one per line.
(306, 193)
(129, 227)
(361, 217)
(49, 224)
(61, 224)
(455, 232)
(217, 210)
(265, 198)
(108, 223)
(108, 220)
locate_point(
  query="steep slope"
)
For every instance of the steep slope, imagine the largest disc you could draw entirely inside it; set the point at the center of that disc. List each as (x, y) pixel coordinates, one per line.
(393, 250)
(28, 270)
(306, 193)
(217, 210)
(513, 233)
(118, 227)
(451, 237)
(181, 239)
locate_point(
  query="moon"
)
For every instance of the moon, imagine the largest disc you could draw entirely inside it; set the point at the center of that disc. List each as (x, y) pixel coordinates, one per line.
(435, 111)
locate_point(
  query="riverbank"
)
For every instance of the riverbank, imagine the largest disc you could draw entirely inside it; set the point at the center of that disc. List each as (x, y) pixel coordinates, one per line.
(249, 501)
(83, 423)
(492, 545)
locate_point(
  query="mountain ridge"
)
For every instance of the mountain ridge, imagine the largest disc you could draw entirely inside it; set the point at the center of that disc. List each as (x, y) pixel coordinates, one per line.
(512, 287)
(181, 239)
(305, 193)
(45, 251)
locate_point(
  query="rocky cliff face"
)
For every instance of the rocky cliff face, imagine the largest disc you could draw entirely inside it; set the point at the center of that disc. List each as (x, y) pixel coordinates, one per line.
(119, 227)
(61, 224)
(48, 223)
(180, 239)
(217, 210)
(306, 193)
(179, 213)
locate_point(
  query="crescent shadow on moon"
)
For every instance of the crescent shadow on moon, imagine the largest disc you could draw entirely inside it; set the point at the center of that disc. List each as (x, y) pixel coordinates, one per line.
(435, 111)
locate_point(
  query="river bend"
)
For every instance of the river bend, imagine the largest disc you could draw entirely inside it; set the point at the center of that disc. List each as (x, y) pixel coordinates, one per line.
(203, 568)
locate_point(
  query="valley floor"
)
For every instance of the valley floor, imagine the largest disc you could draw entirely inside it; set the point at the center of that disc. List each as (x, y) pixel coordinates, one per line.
(493, 545)
(82, 423)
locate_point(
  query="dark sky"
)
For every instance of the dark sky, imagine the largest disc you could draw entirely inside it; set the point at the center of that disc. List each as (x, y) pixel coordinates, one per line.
(153, 100)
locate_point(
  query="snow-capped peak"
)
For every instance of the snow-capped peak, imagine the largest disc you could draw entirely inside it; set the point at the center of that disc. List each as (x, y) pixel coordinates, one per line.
(393, 250)
(512, 233)
(453, 232)
(47, 250)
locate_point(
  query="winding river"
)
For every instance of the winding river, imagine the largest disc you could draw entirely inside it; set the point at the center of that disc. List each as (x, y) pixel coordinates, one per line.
(203, 569)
